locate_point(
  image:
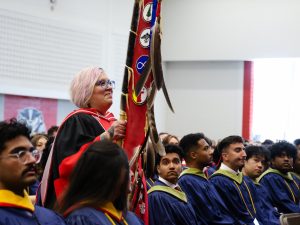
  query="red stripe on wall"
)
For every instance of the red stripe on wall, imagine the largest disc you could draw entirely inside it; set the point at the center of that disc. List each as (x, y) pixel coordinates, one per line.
(247, 99)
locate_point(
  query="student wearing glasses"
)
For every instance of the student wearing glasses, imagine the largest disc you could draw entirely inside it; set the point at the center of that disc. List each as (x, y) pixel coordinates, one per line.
(17, 171)
(91, 91)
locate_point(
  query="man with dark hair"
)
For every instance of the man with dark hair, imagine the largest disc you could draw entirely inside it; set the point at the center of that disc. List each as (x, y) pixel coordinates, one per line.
(17, 171)
(208, 205)
(279, 182)
(253, 168)
(167, 203)
(52, 131)
(296, 170)
(297, 143)
(238, 193)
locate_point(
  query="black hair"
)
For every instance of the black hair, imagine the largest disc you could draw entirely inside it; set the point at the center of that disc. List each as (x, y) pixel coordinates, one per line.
(51, 130)
(95, 178)
(283, 146)
(224, 144)
(297, 142)
(190, 141)
(11, 129)
(170, 149)
(267, 142)
(255, 150)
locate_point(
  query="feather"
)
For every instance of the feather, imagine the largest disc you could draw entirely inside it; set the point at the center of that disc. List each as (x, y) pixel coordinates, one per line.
(149, 159)
(157, 144)
(155, 55)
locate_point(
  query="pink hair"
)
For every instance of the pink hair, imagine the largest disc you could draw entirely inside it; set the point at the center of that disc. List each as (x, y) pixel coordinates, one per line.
(83, 84)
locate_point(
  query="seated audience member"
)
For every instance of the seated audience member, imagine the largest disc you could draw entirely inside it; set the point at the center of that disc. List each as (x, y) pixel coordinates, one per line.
(170, 140)
(39, 141)
(296, 170)
(167, 139)
(279, 182)
(98, 189)
(52, 131)
(211, 168)
(17, 172)
(253, 168)
(208, 205)
(167, 203)
(267, 142)
(238, 193)
(162, 135)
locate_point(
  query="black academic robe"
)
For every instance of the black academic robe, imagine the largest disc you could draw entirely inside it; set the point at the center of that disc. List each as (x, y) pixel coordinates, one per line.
(81, 128)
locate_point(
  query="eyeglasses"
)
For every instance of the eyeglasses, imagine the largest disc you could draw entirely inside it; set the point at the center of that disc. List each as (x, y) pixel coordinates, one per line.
(105, 83)
(24, 156)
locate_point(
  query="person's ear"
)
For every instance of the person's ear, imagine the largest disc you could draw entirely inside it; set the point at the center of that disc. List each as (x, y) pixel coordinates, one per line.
(193, 155)
(158, 169)
(224, 156)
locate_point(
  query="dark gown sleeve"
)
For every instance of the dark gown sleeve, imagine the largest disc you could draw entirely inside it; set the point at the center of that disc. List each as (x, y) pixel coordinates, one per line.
(78, 130)
(280, 196)
(231, 197)
(49, 217)
(75, 132)
(81, 220)
(208, 205)
(132, 219)
(165, 209)
(267, 214)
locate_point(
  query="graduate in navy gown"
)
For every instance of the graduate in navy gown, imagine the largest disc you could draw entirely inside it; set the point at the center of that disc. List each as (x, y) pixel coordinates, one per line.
(18, 161)
(167, 203)
(279, 182)
(208, 205)
(257, 158)
(238, 194)
(98, 189)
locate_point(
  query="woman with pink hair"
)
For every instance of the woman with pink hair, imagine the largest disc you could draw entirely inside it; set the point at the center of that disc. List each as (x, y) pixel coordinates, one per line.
(91, 91)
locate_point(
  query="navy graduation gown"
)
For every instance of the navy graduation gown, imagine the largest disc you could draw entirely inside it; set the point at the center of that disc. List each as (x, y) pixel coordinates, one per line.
(208, 205)
(267, 214)
(19, 216)
(168, 206)
(91, 216)
(19, 210)
(238, 194)
(283, 190)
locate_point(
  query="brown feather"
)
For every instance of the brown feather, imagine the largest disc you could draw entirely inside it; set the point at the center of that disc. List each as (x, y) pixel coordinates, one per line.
(158, 145)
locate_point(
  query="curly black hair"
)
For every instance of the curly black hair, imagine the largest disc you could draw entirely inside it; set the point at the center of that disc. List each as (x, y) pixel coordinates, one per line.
(11, 129)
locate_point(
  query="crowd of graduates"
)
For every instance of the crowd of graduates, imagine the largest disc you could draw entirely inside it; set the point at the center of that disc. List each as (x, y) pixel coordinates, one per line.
(86, 180)
(235, 183)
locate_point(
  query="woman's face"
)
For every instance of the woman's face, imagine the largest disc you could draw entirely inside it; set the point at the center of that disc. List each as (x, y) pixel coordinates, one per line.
(41, 144)
(102, 97)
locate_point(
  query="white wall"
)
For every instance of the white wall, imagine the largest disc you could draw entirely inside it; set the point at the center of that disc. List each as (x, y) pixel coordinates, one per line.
(230, 29)
(42, 49)
(207, 97)
(204, 44)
